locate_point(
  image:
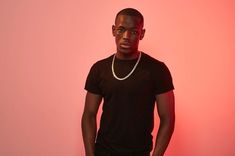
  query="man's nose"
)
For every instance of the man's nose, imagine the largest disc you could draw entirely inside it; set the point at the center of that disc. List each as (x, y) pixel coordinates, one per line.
(126, 34)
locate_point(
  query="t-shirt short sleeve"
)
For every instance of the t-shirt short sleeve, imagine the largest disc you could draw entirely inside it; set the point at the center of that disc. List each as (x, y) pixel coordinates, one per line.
(162, 80)
(93, 79)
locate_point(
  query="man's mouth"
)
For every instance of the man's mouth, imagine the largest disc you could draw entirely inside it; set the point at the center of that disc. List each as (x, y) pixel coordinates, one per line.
(126, 46)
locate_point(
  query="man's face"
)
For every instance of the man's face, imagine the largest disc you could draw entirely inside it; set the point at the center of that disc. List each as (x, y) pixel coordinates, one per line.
(128, 30)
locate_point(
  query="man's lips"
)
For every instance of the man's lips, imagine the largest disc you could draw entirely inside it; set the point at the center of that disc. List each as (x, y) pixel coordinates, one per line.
(124, 45)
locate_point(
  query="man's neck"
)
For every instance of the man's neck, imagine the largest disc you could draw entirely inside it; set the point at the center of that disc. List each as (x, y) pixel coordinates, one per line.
(127, 56)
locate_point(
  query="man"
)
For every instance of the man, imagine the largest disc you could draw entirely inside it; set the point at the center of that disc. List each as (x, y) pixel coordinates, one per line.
(130, 82)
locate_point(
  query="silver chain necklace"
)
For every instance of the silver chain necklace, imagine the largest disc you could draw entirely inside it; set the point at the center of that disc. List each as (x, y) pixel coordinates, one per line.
(123, 78)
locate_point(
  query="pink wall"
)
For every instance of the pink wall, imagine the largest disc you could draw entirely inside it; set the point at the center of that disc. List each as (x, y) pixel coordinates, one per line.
(48, 47)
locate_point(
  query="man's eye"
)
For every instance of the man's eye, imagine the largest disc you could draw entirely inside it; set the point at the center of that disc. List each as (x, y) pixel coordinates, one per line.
(120, 31)
(134, 32)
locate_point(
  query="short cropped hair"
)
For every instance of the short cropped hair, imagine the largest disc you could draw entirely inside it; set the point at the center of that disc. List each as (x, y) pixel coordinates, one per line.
(131, 12)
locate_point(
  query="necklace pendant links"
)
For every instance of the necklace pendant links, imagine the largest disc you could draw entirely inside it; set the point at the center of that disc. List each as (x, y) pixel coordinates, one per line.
(128, 75)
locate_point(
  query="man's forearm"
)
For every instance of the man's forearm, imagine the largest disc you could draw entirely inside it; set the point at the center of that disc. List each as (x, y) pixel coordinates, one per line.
(89, 133)
(163, 138)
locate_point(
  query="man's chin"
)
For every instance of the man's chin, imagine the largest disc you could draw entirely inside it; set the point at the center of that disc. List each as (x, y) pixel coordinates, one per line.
(125, 50)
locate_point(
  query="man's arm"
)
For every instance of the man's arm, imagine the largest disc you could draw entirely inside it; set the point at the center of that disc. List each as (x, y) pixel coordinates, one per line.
(89, 125)
(166, 112)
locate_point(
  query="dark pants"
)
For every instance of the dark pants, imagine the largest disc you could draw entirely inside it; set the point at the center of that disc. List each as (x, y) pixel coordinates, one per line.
(102, 151)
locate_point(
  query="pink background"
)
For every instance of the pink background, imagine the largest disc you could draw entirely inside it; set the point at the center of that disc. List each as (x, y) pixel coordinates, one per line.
(47, 48)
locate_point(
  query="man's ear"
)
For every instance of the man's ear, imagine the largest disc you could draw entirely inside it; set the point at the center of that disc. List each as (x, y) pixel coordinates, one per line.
(142, 34)
(113, 30)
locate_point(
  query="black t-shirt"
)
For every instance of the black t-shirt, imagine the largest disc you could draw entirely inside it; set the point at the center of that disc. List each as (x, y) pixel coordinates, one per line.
(128, 108)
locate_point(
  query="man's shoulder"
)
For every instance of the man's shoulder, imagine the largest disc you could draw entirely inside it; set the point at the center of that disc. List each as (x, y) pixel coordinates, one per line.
(107, 59)
(103, 62)
(150, 59)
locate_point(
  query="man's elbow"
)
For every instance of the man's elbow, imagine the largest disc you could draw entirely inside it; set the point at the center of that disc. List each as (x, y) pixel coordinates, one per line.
(87, 116)
(168, 122)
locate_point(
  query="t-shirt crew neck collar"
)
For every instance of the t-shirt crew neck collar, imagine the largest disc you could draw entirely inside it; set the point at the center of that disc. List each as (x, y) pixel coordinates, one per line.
(126, 60)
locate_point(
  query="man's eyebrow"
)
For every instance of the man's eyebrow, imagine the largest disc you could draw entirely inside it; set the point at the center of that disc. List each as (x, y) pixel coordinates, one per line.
(128, 28)
(121, 27)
